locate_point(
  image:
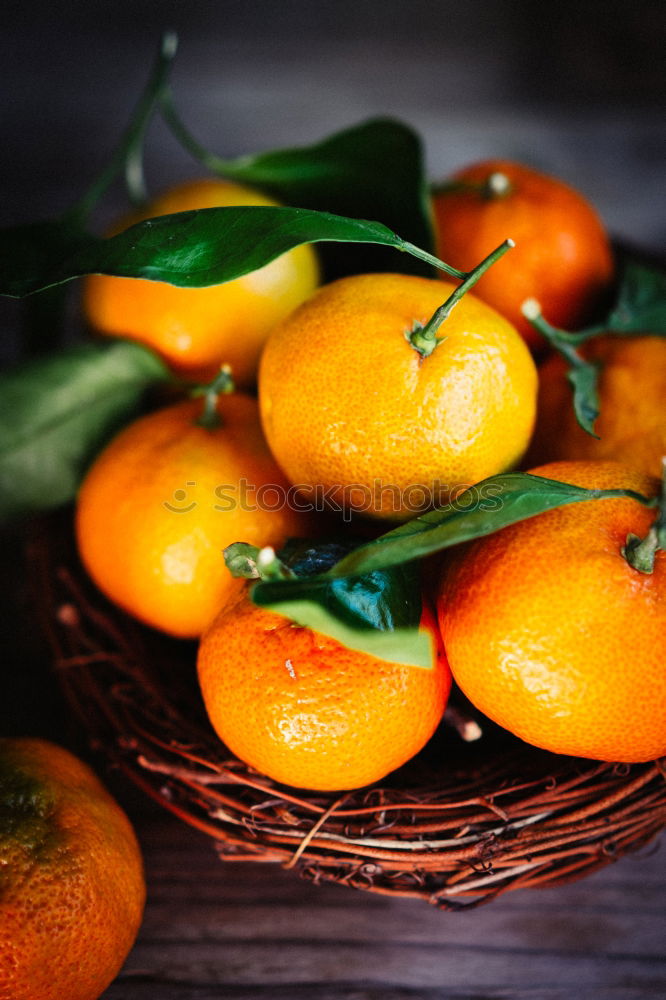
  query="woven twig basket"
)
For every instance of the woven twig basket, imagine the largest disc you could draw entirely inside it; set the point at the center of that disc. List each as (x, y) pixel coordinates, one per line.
(459, 825)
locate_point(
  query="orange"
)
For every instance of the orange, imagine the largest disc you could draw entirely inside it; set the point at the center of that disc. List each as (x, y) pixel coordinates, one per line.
(196, 330)
(306, 710)
(562, 257)
(163, 500)
(352, 409)
(632, 422)
(71, 877)
(554, 635)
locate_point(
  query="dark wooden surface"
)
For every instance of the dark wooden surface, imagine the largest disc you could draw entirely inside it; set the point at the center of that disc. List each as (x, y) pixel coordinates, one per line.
(575, 88)
(241, 931)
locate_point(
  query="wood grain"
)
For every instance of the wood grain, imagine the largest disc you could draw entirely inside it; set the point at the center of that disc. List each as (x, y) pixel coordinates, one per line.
(219, 929)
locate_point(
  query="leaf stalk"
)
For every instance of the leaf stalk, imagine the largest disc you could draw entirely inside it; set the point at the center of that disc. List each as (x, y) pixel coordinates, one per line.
(424, 339)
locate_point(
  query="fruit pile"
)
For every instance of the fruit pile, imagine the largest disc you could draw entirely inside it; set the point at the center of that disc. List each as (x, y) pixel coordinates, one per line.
(311, 464)
(382, 397)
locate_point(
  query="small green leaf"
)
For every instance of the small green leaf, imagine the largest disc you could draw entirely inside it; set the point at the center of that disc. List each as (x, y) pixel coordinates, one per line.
(377, 613)
(56, 412)
(640, 306)
(583, 378)
(411, 647)
(481, 510)
(241, 560)
(372, 170)
(188, 249)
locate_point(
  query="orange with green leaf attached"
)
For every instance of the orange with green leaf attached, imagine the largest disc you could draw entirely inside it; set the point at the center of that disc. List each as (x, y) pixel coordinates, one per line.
(72, 888)
(386, 399)
(307, 710)
(167, 495)
(555, 627)
(195, 330)
(631, 426)
(563, 255)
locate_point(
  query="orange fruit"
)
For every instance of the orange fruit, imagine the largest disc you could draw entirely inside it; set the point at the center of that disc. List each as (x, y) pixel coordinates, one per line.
(71, 877)
(306, 710)
(196, 330)
(554, 635)
(163, 500)
(632, 422)
(351, 409)
(562, 257)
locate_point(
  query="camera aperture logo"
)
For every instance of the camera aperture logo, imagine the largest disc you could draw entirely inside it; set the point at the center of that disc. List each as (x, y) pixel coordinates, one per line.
(342, 499)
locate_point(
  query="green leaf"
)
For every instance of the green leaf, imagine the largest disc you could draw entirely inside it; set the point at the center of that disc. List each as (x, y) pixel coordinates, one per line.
(640, 306)
(188, 249)
(583, 378)
(481, 510)
(377, 613)
(56, 412)
(372, 170)
(374, 591)
(29, 253)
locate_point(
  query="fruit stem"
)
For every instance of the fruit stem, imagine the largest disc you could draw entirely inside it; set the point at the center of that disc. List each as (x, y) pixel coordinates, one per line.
(496, 185)
(270, 567)
(640, 553)
(424, 338)
(222, 384)
(127, 158)
(560, 340)
(582, 375)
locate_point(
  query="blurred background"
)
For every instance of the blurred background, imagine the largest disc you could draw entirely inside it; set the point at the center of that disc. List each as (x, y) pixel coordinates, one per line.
(575, 87)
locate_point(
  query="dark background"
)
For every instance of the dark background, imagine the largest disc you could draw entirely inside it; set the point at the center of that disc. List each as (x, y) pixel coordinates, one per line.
(576, 88)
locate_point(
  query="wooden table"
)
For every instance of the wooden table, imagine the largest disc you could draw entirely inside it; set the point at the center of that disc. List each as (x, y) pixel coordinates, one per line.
(239, 931)
(476, 79)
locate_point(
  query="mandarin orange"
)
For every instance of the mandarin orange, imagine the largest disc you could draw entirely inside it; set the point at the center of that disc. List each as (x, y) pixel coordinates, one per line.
(631, 426)
(196, 330)
(353, 410)
(163, 500)
(306, 710)
(563, 255)
(554, 635)
(71, 877)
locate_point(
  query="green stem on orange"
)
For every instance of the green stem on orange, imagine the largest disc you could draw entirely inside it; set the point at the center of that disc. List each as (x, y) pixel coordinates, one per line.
(582, 375)
(222, 384)
(424, 339)
(496, 185)
(640, 553)
(270, 567)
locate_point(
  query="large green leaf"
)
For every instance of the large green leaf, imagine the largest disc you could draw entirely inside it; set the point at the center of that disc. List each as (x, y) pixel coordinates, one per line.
(481, 510)
(189, 249)
(375, 587)
(373, 170)
(57, 411)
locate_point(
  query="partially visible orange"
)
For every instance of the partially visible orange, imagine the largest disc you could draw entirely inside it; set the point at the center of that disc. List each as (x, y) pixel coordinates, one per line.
(562, 257)
(163, 500)
(306, 710)
(631, 426)
(352, 409)
(551, 632)
(196, 330)
(71, 877)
